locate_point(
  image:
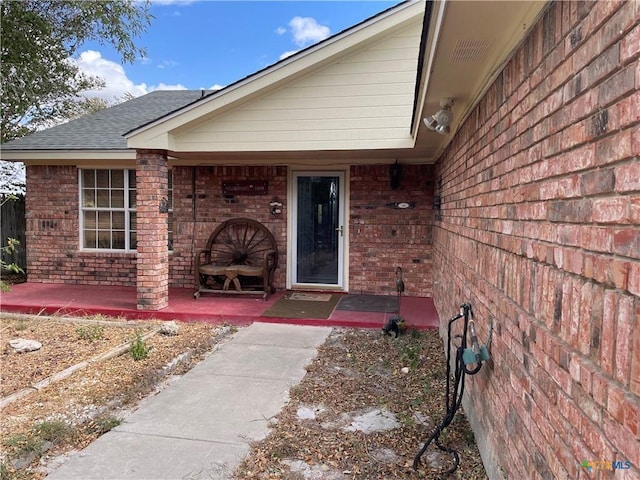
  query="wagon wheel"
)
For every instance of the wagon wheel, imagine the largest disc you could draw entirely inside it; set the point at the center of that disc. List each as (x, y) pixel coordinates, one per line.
(241, 241)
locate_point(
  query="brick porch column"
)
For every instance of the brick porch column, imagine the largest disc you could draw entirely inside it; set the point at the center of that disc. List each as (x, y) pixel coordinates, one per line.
(153, 255)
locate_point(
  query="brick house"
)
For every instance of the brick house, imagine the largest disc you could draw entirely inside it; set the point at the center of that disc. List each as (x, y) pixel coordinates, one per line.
(528, 208)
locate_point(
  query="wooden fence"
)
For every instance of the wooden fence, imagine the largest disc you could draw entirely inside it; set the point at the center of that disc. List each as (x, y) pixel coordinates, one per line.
(13, 225)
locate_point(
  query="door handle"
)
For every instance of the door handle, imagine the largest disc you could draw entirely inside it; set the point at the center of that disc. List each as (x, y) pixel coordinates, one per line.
(341, 230)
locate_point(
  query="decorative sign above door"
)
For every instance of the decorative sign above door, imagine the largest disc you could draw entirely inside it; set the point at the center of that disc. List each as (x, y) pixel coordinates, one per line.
(245, 187)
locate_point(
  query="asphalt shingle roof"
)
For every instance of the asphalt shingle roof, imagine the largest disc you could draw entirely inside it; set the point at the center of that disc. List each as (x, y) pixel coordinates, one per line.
(104, 130)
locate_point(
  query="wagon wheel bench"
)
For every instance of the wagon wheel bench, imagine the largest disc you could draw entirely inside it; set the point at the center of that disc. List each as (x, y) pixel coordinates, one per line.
(240, 252)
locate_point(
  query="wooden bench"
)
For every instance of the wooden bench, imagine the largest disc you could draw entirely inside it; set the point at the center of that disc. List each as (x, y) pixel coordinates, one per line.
(240, 252)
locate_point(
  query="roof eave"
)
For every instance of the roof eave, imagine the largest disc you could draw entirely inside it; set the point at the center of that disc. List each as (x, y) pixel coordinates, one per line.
(60, 155)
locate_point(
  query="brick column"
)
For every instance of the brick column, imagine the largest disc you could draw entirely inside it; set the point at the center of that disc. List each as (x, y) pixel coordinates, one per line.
(153, 256)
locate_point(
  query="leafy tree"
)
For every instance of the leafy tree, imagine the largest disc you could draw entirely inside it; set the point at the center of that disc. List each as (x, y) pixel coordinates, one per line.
(39, 81)
(12, 178)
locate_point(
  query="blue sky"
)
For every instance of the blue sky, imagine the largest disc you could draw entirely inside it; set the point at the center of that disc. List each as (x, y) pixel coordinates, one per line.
(209, 44)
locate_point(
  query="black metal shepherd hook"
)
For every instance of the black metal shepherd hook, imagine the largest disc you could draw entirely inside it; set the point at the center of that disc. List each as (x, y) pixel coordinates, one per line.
(453, 399)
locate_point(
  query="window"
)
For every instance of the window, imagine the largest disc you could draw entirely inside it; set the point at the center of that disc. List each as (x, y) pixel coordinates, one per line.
(108, 209)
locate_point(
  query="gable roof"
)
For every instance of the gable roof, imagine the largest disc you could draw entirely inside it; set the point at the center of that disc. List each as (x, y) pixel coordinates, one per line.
(368, 72)
(275, 65)
(105, 129)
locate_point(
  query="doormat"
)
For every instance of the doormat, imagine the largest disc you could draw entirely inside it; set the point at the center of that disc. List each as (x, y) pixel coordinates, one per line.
(368, 303)
(312, 297)
(288, 308)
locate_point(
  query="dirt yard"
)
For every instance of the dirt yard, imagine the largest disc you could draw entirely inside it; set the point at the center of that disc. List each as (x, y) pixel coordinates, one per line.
(363, 410)
(71, 412)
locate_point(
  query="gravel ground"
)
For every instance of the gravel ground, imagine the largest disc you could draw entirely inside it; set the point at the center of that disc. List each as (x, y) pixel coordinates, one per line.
(363, 411)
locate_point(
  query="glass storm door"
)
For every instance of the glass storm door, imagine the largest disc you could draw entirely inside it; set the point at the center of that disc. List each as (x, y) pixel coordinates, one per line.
(318, 229)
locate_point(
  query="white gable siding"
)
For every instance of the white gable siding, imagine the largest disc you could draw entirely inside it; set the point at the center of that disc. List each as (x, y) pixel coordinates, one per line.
(361, 101)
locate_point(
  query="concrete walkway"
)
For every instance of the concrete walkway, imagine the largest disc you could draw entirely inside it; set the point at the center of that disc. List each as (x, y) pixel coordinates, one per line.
(201, 426)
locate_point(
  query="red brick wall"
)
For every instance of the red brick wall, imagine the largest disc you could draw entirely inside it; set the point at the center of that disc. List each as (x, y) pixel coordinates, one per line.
(211, 208)
(382, 238)
(52, 234)
(152, 255)
(540, 232)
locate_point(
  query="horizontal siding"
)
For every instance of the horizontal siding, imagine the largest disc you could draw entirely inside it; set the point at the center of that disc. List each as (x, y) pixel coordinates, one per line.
(363, 100)
(325, 96)
(316, 117)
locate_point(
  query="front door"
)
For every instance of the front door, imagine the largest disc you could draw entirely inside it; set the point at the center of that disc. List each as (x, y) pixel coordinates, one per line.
(317, 230)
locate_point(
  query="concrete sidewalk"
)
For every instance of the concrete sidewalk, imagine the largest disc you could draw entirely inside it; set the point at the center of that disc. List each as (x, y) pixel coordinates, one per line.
(201, 426)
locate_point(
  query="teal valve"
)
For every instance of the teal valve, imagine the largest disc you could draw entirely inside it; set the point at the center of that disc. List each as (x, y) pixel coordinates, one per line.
(484, 353)
(469, 356)
(477, 353)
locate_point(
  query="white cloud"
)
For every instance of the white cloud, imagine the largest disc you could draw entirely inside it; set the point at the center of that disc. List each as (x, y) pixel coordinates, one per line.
(116, 81)
(288, 54)
(281, 30)
(168, 64)
(164, 86)
(117, 84)
(306, 31)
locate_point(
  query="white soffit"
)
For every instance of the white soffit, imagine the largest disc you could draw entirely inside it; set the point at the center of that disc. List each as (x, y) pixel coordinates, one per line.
(468, 45)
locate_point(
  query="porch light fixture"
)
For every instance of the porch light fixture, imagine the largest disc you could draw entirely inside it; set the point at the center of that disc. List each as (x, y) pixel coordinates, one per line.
(163, 206)
(394, 174)
(441, 120)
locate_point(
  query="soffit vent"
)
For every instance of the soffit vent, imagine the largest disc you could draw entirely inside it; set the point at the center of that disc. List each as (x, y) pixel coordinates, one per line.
(470, 51)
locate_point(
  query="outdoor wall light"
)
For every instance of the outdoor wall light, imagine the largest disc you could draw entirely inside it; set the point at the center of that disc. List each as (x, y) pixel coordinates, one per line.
(394, 174)
(441, 120)
(163, 206)
(276, 206)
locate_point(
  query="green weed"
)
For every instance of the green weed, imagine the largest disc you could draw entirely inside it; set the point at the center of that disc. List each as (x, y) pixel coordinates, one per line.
(4, 471)
(29, 447)
(105, 423)
(90, 332)
(411, 354)
(24, 445)
(53, 431)
(138, 348)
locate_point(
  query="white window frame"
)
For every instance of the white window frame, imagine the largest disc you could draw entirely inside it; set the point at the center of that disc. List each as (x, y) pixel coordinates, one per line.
(127, 209)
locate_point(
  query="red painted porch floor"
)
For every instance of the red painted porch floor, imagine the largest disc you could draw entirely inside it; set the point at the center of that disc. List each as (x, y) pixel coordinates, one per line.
(79, 300)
